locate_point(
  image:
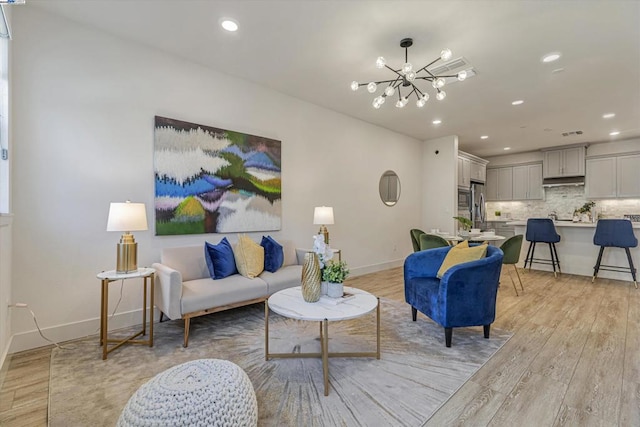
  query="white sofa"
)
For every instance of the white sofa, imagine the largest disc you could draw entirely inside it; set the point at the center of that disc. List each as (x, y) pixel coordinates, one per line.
(185, 290)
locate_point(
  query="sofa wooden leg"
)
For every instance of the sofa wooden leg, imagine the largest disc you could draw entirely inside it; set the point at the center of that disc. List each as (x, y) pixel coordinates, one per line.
(414, 313)
(187, 321)
(448, 333)
(487, 329)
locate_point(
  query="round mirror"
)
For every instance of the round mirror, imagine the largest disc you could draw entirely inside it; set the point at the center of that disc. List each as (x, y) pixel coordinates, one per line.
(389, 188)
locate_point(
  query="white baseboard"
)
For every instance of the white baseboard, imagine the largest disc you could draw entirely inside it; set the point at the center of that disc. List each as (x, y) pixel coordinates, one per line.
(377, 267)
(71, 331)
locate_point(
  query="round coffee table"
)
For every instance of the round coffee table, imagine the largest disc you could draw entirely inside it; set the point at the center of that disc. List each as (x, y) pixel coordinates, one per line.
(289, 303)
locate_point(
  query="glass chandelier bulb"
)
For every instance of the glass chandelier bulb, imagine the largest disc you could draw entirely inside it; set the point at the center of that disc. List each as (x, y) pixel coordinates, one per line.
(389, 91)
(354, 85)
(406, 68)
(380, 100)
(376, 104)
(425, 97)
(438, 83)
(405, 101)
(411, 75)
(420, 102)
(399, 103)
(441, 95)
(371, 87)
(462, 75)
(446, 54)
(380, 62)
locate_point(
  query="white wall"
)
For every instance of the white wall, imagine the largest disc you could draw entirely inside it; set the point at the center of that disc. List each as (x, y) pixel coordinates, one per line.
(84, 104)
(439, 183)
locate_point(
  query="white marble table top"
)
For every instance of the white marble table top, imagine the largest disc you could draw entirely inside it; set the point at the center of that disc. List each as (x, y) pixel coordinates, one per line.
(289, 303)
(114, 275)
(472, 238)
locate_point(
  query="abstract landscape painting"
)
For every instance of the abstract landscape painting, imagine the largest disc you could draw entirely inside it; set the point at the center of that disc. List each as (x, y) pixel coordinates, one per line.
(211, 180)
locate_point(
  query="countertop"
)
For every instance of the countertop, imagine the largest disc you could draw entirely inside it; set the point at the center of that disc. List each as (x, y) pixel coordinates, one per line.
(635, 225)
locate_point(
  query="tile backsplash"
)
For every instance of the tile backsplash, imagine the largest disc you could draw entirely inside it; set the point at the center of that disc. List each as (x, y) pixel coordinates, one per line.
(562, 200)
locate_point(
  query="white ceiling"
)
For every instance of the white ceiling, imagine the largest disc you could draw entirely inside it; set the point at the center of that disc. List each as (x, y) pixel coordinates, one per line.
(312, 50)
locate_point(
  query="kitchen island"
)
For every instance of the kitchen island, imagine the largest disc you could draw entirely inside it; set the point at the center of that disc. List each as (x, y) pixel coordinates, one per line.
(576, 250)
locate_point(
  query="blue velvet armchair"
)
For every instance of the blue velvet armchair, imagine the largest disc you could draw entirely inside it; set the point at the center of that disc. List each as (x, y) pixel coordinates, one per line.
(465, 296)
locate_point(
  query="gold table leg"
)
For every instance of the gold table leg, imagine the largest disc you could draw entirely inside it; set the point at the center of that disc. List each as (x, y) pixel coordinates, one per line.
(325, 355)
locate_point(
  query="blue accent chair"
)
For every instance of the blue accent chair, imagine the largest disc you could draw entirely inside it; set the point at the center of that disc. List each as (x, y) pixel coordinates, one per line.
(465, 296)
(542, 230)
(615, 233)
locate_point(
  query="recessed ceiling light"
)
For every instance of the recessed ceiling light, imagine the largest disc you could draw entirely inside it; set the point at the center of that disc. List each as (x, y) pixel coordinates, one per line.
(550, 57)
(608, 115)
(436, 122)
(484, 137)
(518, 102)
(557, 70)
(614, 133)
(229, 24)
(507, 148)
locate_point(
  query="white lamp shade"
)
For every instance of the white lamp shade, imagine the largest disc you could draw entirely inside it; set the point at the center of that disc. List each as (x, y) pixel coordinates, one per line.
(127, 217)
(323, 215)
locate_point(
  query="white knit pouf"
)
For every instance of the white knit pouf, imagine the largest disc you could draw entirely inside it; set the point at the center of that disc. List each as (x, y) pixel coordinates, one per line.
(204, 392)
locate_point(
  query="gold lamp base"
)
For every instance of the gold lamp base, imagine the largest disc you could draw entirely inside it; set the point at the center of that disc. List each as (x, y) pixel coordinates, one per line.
(325, 232)
(127, 255)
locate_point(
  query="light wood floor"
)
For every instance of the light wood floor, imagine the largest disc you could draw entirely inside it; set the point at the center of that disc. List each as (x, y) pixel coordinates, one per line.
(573, 360)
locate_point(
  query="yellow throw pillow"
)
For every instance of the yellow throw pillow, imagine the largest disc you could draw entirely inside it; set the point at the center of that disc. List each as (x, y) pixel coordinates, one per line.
(461, 253)
(249, 257)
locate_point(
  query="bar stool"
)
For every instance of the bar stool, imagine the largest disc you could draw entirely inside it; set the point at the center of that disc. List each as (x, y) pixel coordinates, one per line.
(542, 230)
(615, 233)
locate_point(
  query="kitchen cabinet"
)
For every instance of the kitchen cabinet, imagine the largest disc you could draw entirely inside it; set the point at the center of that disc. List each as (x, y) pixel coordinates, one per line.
(501, 228)
(564, 162)
(478, 171)
(613, 177)
(464, 172)
(527, 182)
(499, 184)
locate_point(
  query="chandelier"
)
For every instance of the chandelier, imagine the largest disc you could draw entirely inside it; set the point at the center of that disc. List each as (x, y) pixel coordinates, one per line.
(406, 79)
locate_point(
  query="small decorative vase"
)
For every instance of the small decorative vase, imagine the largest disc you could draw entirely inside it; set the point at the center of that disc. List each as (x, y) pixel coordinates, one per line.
(323, 288)
(311, 278)
(335, 290)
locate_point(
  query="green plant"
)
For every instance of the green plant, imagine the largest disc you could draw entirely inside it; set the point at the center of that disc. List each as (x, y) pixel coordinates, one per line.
(464, 222)
(335, 272)
(586, 208)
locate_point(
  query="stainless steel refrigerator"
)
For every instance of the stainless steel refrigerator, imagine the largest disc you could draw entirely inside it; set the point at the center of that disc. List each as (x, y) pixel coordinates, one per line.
(478, 206)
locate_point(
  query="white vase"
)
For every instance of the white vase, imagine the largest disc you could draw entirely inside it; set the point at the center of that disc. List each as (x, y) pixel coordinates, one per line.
(323, 288)
(335, 290)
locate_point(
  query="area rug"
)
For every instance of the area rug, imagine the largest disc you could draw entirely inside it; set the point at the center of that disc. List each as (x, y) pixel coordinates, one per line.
(415, 375)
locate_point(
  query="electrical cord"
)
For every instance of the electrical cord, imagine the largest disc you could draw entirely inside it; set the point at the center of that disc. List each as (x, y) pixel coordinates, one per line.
(35, 320)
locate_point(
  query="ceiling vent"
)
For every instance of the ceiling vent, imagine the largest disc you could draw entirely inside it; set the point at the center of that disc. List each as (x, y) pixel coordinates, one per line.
(450, 66)
(572, 133)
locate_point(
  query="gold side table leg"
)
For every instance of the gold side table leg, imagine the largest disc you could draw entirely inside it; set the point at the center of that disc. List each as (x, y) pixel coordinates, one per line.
(325, 356)
(104, 316)
(378, 330)
(266, 330)
(144, 306)
(152, 302)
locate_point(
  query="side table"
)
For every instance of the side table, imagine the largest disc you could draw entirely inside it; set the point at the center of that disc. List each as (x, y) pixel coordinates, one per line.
(107, 277)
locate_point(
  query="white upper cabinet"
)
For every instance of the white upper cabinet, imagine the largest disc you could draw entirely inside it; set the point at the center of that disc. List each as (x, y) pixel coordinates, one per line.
(564, 162)
(628, 176)
(478, 171)
(499, 184)
(527, 182)
(600, 181)
(464, 172)
(613, 177)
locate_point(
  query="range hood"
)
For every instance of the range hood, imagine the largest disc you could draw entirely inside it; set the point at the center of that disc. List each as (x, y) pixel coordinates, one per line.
(564, 181)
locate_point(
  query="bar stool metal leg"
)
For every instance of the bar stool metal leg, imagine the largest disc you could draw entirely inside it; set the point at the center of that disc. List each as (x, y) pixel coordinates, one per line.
(596, 268)
(557, 259)
(631, 266)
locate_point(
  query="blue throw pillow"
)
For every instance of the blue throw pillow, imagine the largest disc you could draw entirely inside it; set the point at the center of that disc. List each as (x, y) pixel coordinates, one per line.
(220, 259)
(273, 254)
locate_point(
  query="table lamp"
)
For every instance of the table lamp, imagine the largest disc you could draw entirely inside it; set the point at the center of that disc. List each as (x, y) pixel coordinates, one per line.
(127, 217)
(323, 216)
